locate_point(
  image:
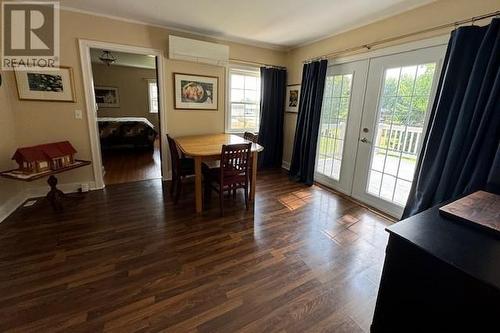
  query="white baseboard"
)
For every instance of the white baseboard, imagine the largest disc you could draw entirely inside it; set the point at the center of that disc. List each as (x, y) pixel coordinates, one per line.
(285, 165)
(36, 192)
(168, 176)
(41, 191)
(12, 204)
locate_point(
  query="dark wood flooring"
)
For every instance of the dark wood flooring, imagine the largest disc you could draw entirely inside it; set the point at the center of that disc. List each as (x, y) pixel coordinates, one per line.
(131, 165)
(126, 259)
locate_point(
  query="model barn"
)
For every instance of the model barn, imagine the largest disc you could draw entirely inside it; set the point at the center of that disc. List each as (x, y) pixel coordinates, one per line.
(50, 156)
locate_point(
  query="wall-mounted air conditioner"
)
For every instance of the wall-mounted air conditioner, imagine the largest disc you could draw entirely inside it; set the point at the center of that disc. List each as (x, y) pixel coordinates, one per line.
(198, 51)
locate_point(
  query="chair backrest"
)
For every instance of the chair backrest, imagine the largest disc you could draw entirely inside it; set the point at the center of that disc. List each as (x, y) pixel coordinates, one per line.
(174, 155)
(235, 160)
(251, 137)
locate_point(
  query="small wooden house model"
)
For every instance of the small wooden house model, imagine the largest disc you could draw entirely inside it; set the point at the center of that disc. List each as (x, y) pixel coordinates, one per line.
(51, 156)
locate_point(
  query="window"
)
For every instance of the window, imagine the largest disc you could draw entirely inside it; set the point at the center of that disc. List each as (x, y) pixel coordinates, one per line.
(153, 96)
(244, 100)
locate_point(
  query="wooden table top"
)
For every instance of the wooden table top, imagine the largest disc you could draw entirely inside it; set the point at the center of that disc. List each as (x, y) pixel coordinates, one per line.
(210, 144)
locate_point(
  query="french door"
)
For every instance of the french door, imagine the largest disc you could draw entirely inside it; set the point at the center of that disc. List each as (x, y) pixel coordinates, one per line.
(339, 125)
(373, 159)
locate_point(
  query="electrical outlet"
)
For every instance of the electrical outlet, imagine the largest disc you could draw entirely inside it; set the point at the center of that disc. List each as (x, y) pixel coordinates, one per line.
(29, 203)
(78, 114)
(85, 187)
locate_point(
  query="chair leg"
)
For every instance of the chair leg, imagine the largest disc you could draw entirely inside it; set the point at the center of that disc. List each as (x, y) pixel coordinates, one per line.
(179, 189)
(172, 187)
(205, 190)
(246, 195)
(250, 177)
(221, 200)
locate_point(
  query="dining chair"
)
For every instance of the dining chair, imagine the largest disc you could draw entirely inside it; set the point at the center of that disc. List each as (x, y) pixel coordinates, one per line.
(181, 167)
(249, 136)
(232, 174)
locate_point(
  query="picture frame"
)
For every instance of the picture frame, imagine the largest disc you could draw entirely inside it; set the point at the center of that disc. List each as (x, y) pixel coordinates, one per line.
(195, 92)
(52, 85)
(107, 97)
(292, 98)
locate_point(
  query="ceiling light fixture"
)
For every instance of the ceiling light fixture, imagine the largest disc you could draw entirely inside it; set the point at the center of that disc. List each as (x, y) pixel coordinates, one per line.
(107, 57)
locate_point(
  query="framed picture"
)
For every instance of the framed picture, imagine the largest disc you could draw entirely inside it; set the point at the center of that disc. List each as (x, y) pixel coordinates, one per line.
(55, 85)
(292, 98)
(194, 92)
(107, 97)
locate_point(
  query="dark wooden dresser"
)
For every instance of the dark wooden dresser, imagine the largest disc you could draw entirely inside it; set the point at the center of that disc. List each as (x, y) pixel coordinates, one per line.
(439, 275)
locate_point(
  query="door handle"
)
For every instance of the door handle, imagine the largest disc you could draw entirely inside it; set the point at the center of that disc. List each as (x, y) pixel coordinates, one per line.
(364, 140)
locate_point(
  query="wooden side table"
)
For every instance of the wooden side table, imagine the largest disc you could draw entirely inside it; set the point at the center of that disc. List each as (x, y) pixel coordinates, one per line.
(55, 196)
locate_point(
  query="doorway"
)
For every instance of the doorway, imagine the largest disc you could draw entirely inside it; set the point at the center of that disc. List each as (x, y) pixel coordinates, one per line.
(373, 119)
(126, 122)
(126, 95)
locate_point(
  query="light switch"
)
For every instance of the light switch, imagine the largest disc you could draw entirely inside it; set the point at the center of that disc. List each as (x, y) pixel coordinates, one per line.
(78, 114)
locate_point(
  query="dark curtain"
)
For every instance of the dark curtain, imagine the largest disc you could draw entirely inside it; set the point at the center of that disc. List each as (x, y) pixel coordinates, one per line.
(273, 86)
(306, 134)
(461, 146)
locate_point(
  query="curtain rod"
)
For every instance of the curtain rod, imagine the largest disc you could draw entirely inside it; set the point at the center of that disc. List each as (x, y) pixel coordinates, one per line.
(246, 62)
(391, 39)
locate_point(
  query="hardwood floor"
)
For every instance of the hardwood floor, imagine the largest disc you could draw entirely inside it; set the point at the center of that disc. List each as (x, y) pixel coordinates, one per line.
(131, 165)
(126, 259)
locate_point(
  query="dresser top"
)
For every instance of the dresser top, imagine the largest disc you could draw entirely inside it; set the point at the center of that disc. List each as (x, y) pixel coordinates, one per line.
(474, 251)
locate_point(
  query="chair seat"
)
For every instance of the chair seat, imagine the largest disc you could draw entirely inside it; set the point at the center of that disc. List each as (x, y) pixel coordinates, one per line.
(187, 166)
(211, 164)
(213, 175)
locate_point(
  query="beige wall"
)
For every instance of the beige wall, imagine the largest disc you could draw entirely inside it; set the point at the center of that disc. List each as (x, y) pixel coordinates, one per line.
(132, 87)
(9, 188)
(190, 122)
(39, 122)
(434, 14)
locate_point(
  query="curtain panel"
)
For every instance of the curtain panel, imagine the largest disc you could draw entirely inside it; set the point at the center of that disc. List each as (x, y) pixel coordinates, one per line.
(272, 103)
(460, 152)
(308, 119)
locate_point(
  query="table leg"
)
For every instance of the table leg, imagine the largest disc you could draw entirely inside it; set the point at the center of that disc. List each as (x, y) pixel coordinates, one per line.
(197, 182)
(254, 176)
(55, 196)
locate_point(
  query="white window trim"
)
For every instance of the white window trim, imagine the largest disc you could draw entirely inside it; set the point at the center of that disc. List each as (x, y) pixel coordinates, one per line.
(149, 81)
(229, 69)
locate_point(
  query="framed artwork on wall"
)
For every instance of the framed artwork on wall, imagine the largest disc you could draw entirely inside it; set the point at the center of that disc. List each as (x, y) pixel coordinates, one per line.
(195, 92)
(292, 98)
(55, 85)
(107, 97)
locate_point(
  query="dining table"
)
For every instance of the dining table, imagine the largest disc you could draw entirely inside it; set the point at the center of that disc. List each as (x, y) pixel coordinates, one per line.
(208, 147)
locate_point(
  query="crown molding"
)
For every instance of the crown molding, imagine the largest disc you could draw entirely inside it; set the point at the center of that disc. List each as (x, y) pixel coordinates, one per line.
(237, 40)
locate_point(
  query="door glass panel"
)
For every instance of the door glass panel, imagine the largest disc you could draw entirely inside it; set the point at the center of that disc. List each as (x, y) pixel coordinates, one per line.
(334, 112)
(401, 115)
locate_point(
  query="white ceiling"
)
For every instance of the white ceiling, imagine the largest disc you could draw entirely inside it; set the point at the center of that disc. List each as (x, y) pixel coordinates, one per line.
(271, 23)
(125, 59)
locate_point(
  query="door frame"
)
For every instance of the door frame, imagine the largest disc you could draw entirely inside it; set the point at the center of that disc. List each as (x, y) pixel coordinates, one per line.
(394, 49)
(440, 40)
(88, 85)
(359, 188)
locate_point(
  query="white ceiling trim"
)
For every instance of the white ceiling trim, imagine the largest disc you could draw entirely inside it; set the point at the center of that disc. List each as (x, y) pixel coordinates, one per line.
(173, 29)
